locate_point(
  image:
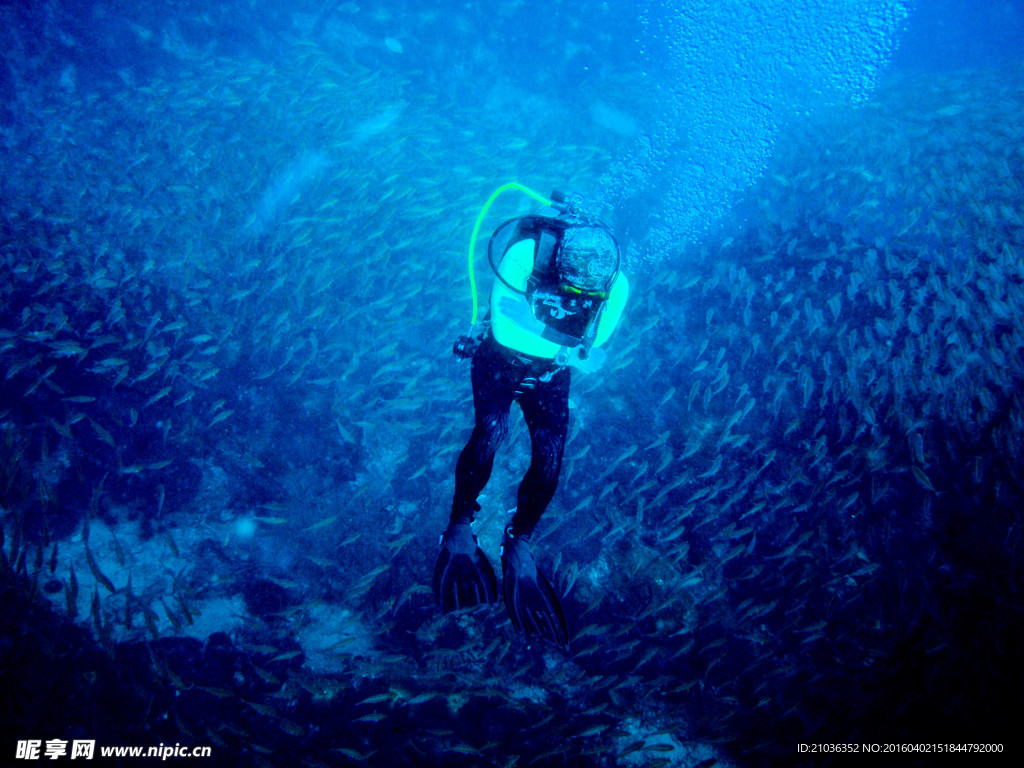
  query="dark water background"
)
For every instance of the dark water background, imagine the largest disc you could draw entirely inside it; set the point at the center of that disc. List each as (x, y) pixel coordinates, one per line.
(233, 246)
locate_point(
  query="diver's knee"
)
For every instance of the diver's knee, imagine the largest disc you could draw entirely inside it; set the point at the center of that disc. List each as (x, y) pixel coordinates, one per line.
(492, 431)
(548, 458)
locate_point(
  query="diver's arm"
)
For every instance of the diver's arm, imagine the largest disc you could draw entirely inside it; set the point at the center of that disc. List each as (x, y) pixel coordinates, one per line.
(612, 312)
(591, 360)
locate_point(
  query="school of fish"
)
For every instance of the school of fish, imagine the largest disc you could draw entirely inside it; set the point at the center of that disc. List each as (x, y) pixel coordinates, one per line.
(789, 505)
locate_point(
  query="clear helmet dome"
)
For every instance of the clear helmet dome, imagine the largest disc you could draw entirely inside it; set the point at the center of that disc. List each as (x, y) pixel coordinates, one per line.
(588, 258)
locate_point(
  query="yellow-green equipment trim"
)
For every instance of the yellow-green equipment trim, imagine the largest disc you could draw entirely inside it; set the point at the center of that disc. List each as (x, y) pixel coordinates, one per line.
(476, 230)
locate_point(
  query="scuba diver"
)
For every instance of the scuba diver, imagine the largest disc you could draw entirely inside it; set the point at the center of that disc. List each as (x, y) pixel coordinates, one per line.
(557, 298)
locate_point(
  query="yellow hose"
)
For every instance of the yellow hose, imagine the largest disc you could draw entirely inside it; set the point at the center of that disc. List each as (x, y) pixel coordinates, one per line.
(476, 230)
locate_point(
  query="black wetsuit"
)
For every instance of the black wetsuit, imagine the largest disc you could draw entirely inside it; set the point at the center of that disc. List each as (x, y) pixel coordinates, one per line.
(501, 375)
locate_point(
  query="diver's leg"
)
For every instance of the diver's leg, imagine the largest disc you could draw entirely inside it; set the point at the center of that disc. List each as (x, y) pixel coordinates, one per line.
(546, 409)
(532, 603)
(463, 577)
(495, 378)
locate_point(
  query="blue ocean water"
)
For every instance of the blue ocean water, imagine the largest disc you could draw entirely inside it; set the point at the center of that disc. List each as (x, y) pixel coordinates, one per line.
(233, 252)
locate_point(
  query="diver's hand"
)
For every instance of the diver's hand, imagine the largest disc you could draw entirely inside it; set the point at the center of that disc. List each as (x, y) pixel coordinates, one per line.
(518, 311)
(585, 364)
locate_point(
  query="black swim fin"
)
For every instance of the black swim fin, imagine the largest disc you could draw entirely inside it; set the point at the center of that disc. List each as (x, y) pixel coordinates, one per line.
(530, 599)
(463, 576)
